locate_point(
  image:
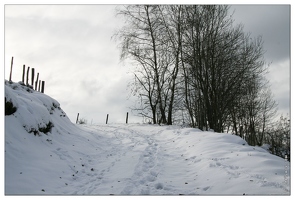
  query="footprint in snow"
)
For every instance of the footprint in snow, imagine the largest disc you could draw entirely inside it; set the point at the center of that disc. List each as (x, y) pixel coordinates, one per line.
(206, 188)
(159, 186)
(151, 178)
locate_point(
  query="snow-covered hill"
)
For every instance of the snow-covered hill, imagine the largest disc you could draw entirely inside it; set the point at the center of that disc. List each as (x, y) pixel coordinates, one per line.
(47, 154)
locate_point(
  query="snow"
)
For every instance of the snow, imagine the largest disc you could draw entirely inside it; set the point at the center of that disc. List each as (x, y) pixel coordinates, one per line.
(128, 159)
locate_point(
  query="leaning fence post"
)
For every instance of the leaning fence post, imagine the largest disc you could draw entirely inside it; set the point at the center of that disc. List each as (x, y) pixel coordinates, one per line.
(43, 85)
(127, 118)
(77, 118)
(107, 119)
(24, 71)
(36, 83)
(28, 70)
(11, 69)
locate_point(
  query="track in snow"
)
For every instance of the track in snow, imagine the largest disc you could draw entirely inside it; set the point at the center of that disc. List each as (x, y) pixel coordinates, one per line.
(133, 160)
(142, 159)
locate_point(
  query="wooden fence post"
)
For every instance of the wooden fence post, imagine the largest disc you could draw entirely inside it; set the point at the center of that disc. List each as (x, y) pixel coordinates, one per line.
(24, 71)
(11, 69)
(33, 77)
(107, 119)
(39, 85)
(77, 118)
(127, 118)
(28, 70)
(43, 85)
(36, 83)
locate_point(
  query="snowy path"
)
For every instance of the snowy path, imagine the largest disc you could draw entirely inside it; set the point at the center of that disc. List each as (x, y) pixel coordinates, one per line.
(138, 159)
(131, 165)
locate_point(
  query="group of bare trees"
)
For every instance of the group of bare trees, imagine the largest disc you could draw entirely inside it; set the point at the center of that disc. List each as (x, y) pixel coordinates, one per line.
(193, 64)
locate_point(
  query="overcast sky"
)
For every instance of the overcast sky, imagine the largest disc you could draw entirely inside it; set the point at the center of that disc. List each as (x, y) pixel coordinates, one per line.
(71, 47)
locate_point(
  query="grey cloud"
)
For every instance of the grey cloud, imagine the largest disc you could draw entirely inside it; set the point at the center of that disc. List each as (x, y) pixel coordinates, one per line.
(92, 87)
(272, 22)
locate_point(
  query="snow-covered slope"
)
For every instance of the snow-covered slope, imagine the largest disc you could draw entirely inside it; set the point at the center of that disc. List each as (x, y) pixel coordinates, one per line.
(133, 159)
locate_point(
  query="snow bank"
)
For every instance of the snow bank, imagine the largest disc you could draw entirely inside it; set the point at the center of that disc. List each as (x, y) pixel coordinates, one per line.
(133, 159)
(37, 122)
(36, 111)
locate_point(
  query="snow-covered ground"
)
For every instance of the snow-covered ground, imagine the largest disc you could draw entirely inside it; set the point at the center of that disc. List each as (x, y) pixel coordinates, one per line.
(133, 159)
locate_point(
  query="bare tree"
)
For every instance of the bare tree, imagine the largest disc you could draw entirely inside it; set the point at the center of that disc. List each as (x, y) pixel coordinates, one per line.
(149, 38)
(173, 20)
(141, 41)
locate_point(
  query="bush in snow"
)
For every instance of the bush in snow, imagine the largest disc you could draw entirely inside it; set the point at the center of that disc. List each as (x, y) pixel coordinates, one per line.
(278, 138)
(82, 121)
(9, 108)
(47, 128)
(44, 129)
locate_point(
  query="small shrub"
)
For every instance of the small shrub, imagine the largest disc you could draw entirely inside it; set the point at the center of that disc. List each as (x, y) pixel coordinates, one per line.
(47, 128)
(34, 131)
(82, 121)
(54, 105)
(9, 108)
